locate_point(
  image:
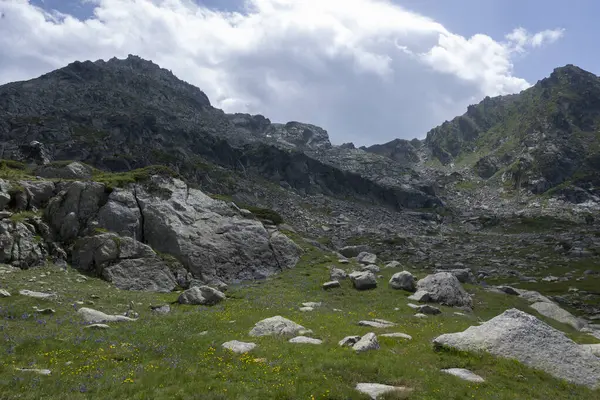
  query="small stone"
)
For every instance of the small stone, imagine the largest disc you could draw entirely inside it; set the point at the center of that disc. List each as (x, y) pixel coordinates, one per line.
(35, 371)
(38, 295)
(312, 304)
(162, 309)
(4, 293)
(393, 264)
(306, 309)
(430, 310)
(97, 326)
(366, 258)
(397, 335)
(371, 268)
(337, 274)
(420, 315)
(377, 323)
(349, 341)
(374, 390)
(413, 306)
(343, 261)
(367, 342)
(331, 285)
(305, 340)
(464, 374)
(420, 295)
(44, 311)
(239, 347)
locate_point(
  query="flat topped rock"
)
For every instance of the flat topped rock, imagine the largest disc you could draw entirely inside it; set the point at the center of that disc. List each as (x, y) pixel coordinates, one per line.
(312, 304)
(37, 295)
(397, 335)
(464, 374)
(331, 285)
(239, 347)
(377, 323)
(95, 317)
(305, 340)
(278, 326)
(517, 335)
(4, 293)
(374, 390)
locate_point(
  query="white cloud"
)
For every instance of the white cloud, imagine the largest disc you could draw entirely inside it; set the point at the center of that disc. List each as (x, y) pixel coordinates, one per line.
(366, 70)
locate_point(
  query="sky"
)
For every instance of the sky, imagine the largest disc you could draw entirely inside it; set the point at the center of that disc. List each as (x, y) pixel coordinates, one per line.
(367, 71)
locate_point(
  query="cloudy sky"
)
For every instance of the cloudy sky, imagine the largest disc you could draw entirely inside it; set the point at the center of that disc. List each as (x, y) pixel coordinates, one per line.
(368, 71)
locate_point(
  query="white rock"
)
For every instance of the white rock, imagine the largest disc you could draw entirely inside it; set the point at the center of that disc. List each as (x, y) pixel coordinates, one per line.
(277, 326)
(517, 335)
(397, 335)
(363, 280)
(445, 288)
(4, 293)
(403, 280)
(239, 347)
(393, 264)
(306, 309)
(421, 296)
(592, 348)
(419, 315)
(349, 341)
(377, 323)
(366, 258)
(35, 371)
(95, 317)
(312, 304)
(37, 295)
(305, 340)
(374, 390)
(331, 285)
(367, 342)
(464, 374)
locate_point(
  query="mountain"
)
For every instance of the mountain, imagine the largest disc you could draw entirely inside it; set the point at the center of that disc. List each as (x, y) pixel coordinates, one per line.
(543, 137)
(120, 115)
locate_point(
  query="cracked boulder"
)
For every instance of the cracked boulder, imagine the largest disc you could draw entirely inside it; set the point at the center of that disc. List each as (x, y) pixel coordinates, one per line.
(20, 244)
(207, 236)
(125, 262)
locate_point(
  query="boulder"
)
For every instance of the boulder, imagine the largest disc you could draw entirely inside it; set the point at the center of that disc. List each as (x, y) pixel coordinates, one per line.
(367, 342)
(337, 274)
(366, 258)
(403, 281)
(38, 193)
(518, 335)
(239, 347)
(125, 262)
(444, 288)
(464, 374)
(397, 335)
(353, 251)
(393, 264)
(305, 340)
(74, 170)
(349, 341)
(96, 317)
(553, 311)
(374, 390)
(363, 280)
(121, 214)
(420, 296)
(278, 326)
(21, 245)
(464, 275)
(201, 295)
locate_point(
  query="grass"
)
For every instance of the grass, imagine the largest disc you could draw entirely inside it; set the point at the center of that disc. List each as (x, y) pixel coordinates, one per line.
(120, 179)
(169, 357)
(24, 215)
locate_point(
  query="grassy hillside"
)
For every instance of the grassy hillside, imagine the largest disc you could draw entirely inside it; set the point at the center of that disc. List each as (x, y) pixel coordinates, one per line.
(178, 355)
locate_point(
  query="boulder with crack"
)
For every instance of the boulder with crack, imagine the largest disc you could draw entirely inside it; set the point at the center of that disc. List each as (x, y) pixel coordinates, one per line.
(444, 288)
(518, 335)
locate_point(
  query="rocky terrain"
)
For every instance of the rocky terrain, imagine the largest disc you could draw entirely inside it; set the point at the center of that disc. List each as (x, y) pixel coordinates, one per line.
(122, 186)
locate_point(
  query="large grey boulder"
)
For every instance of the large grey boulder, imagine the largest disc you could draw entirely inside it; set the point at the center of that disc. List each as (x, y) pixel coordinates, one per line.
(201, 295)
(38, 192)
(553, 311)
(278, 326)
(363, 280)
(518, 335)
(366, 258)
(121, 214)
(207, 236)
(125, 262)
(20, 245)
(403, 281)
(444, 288)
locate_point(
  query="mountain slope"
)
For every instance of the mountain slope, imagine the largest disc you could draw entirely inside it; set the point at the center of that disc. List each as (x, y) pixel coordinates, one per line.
(125, 114)
(547, 135)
